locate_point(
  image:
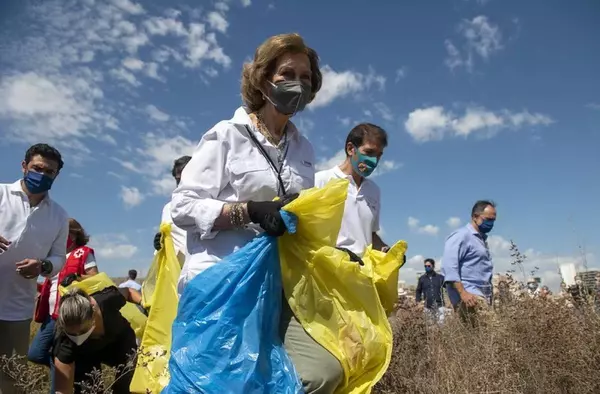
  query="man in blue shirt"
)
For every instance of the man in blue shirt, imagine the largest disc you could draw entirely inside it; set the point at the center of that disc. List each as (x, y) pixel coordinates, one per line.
(467, 264)
(429, 288)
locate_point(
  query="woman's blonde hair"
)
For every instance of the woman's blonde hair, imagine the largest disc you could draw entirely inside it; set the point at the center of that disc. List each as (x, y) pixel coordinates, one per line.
(262, 67)
(75, 308)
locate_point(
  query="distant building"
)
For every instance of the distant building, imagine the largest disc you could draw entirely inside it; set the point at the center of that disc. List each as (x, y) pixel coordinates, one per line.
(588, 278)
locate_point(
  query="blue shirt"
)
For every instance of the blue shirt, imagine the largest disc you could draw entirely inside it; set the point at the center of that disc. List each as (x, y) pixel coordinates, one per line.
(467, 259)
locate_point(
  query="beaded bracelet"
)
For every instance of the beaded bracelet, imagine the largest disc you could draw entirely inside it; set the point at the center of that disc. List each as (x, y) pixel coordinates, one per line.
(236, 215)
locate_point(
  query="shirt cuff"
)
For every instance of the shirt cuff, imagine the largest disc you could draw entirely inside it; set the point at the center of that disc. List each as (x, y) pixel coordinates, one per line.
(207, 214)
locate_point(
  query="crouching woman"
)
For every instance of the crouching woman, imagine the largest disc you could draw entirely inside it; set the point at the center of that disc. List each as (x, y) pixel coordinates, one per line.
(91, 332)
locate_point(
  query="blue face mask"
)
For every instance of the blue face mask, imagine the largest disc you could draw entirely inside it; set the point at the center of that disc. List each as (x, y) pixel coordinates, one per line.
(428, 269)
(486, 226)
(37, 183)
(370, 162)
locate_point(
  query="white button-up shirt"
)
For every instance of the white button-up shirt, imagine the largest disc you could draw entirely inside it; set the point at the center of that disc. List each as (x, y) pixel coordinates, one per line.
(361, 211)
(227, 167)
(38, 232)
(179, 235)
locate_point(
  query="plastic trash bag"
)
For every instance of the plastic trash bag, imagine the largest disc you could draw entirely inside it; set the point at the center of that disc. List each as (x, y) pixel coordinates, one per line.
(225, 336)
(130, 311)
(151, 373)
(338, 302)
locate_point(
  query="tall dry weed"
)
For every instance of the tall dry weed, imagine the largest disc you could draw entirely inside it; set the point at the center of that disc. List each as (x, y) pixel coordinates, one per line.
(530, 346)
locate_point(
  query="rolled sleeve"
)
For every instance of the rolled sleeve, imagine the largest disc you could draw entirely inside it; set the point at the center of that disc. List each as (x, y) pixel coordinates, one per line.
(58, 251)
(194, 204)
(452, 257)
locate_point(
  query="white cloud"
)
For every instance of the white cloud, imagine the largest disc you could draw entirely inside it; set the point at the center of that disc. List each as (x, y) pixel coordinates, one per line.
(124, 75)
(453, 222)
(246, 3)
(338, 85)
(401, 73)
(113, 247)
(217, 21)
(304, 125)
(384, 111)
(434, 123)
(156, 113)
(481, 37)
(595, 106)
(327, 163)
(133, 63)
(129, 6)
(428, 229)
(131, 196)
(345, 121)
(386, 166)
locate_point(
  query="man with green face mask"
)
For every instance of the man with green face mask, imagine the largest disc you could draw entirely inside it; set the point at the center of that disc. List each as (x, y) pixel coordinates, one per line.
(364, 147)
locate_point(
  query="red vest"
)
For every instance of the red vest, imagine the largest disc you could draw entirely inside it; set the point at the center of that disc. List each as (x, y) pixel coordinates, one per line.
(75, 264)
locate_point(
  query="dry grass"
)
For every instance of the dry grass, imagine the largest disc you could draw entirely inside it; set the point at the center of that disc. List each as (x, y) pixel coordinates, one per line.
(530, 347)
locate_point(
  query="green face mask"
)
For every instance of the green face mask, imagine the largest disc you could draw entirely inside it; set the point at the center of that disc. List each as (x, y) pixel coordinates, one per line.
(370, 162)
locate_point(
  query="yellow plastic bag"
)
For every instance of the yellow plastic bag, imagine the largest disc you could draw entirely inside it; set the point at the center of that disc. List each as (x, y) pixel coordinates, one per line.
(99, 282)
(152, 374)
(337, 301)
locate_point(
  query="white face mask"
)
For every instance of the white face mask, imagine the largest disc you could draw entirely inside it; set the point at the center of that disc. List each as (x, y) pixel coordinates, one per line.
(80, 339)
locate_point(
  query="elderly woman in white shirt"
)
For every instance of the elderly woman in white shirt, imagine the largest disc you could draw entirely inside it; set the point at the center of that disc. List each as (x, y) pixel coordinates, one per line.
(226, 193)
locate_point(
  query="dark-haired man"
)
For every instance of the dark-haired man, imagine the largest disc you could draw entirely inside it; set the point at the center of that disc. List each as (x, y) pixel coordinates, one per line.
(467, 263)
(33, 239)
(364, 147)
(130, 282)
(179, 235)
(429, 290)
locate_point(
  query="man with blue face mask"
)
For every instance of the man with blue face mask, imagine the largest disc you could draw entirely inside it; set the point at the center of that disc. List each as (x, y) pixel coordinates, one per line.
(364, 147)
(467, 263)
(33, 242)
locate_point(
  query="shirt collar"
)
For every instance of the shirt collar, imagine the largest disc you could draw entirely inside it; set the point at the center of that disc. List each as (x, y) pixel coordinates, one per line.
(17, 189)
(475, 232)
(241, 117)
(337, 171)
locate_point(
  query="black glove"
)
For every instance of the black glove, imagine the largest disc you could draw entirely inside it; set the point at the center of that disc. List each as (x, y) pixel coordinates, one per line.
(266, 214)
(157, 244)
(67, 280)
(353, 256)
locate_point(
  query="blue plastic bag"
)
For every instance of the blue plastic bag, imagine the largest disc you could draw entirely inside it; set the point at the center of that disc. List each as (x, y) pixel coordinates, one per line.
(226, 334)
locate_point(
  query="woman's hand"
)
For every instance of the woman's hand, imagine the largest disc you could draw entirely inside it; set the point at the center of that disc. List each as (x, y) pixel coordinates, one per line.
(266, 214)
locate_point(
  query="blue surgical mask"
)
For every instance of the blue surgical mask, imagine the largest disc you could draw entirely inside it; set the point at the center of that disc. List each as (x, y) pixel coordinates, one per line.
(428, 269)
(370, 162)
(486, 226)
(37, 183)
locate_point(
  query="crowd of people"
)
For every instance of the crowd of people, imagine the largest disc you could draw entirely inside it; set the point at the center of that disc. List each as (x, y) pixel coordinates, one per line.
(225, 196)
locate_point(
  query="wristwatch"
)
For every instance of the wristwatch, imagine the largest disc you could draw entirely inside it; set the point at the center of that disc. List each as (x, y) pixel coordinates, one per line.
(46, 267)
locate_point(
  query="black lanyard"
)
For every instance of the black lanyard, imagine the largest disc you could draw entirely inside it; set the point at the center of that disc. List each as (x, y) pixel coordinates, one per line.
(268, 158)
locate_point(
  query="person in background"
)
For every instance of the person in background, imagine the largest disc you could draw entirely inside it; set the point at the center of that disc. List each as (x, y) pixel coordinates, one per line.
(364, 147)
(226, 193)
(131, 283)
(532, 288)
(179, 235)
(90, 331)
(468, 266)
(33, 235)
(429, 291)
(545, 293)
(81, 264)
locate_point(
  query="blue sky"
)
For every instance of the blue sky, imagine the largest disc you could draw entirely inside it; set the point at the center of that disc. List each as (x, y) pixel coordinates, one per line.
(482, 99)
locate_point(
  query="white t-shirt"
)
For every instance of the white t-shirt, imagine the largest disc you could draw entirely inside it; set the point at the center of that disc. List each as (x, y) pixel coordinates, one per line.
(132, 284)
(38, 232)
(90, 262)
(361, 211)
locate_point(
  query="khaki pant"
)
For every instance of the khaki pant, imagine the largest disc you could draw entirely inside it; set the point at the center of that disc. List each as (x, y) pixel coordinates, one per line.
(14, 340)
(319, 370)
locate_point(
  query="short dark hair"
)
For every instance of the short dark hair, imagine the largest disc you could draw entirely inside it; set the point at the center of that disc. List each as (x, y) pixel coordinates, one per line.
(180, 163)
(75, 229)
(431, 261)
(480, 206)
(132, 274)
(364, 131)
(46, 151)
